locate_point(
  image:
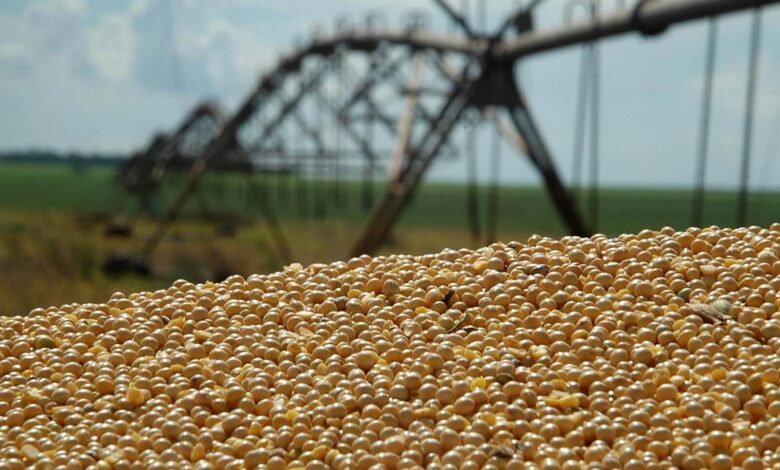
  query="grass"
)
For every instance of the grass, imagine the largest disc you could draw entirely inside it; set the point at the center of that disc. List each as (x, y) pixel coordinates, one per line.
(58, 187)
(52, 247)
(53, 187)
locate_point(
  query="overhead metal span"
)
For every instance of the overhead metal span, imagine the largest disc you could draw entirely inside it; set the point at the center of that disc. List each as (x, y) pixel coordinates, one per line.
(648, 17)
(418, 39)
(370, 40)
(357, 40)
(481, 78)
(227, 138)
(165, 146)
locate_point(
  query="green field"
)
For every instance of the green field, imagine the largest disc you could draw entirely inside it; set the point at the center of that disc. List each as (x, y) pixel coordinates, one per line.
(58, 187)
(53, 240)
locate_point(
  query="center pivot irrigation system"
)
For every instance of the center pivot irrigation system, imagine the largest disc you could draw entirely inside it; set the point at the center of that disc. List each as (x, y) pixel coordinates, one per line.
(371, 100)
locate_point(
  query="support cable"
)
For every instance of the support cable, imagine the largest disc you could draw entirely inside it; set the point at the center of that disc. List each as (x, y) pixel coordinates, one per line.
(262, 190)
(465, 11)
(368, 171)
(340, 87)
(704, 124)
(320, 180)
(580, 119)
(767, 168)
(301, 195)
(472, 202)
(472, 196)
(282, 188)
(593, 202)
(491, 228)
(747, 133)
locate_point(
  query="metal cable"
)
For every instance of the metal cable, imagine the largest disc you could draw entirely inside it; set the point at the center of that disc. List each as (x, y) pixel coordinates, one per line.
(282, 188)
(747, 133)
(481, 16)
(581, 119)
(593, 201)
(769, 159)
(493, 197)
(301, 195)
(319, 181)
(168, 23)
(336, 187)
(368, 171)
(472, 202)
(704, 125)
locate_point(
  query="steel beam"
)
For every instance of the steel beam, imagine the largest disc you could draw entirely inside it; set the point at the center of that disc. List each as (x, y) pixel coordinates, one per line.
(651, 17)
(648, 18)
(377, 72)
(365, 146)
(204, 111)
(360, 94)
(507, 130)
(522, 132)
(540, 156)
(145, 172)
(139, 166)
(403, 131)
(505, 127)
(455, 16)
(375, 110)
(388, 123)
(288, 106)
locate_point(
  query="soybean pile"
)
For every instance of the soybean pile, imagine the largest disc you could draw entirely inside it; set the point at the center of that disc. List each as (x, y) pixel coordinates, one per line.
(647, 351)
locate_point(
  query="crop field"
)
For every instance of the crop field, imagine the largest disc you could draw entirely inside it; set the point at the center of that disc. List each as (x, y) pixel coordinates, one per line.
(55, 187)
(53, 221)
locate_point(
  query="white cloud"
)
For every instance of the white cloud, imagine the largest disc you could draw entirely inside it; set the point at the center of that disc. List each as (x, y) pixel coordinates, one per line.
(73, 71)
(53, 25)
(111, 48)
(14, 60)
(729, 88)
(139, 42)
(221, 59)
(88, 75)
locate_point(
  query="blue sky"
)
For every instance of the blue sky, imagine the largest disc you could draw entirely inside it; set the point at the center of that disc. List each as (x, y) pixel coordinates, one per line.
(104, 75)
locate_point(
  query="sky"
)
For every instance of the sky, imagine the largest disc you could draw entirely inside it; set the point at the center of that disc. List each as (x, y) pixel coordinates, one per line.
(103, 76)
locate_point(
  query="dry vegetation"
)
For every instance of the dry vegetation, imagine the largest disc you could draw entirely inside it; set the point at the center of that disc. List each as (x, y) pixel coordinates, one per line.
(55, 258)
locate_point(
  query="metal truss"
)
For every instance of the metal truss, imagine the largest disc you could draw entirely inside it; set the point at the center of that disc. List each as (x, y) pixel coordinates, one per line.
(335, 91)
(143, 174)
